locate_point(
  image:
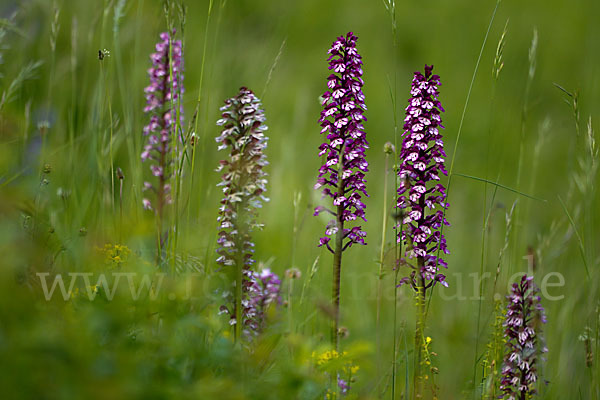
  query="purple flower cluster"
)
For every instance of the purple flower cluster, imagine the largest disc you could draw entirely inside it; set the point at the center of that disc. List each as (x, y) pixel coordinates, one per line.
(422, 161)
(343, 386)
(523, 339)
(342, 177)
(162, 96)
(264, 292)
(243, 183)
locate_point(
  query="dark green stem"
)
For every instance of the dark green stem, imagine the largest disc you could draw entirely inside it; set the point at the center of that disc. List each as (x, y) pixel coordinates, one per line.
(337, 271)
(419, 332)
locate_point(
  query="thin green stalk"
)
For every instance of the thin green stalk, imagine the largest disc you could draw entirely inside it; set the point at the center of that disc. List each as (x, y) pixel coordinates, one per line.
(524, 112)
(127, 103)
(597, 375)
(507, 236)
(394, 350)
(337, 256)
(390, 6)
(406, 368)
(55, 27)
(460, 126)
(120, 205)
(206, 101)
(573, 102)
(483, 237)
(486, 220)
(296, 203)
(419, 337)
(498, 65)
(398, 246)
(289, 304)
(381, 259)
(421, 297)
(337, 266)
(136, 167)
(579, 240)
(181, 142)
(110, 143)
(475, 178)
(26, 124)
(239, 268)
(543, 129)
(239, 280)
(197, 108)
(102, 55)
(310, 273)
(272, 69)
(589, 208)
(160, 195)
(72, 128)
(175, 151)
(462, 117)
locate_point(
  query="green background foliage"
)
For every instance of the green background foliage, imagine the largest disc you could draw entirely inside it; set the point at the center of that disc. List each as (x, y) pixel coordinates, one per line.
(177, 347)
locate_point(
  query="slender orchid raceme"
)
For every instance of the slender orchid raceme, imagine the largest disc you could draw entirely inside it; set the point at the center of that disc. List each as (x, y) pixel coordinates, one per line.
(419, 191)
(342, 177)
(163, 105)
(244, 182)
(422, 200)
(523, 340)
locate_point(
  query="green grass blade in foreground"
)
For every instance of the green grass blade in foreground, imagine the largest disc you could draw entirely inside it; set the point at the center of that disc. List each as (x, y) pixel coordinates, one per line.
(460, 126)
(272, 69)
(500, 186)
(581, 247)
(197, 108)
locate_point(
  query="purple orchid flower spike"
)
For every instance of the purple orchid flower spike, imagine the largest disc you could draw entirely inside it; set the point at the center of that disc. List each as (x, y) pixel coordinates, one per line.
(265, 292)
(419, 192)
(422, 202)
(162, 98)
(342, 177)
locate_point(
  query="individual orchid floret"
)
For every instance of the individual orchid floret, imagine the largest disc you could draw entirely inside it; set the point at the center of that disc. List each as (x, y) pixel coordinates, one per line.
(524, 343)
(421, 196)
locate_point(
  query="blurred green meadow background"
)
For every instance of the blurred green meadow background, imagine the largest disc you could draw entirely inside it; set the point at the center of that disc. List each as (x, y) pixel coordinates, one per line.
(65, 115)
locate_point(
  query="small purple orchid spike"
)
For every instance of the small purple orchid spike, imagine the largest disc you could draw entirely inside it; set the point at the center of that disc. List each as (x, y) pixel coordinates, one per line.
(264, 293)
(524, 342)
(162, 96)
